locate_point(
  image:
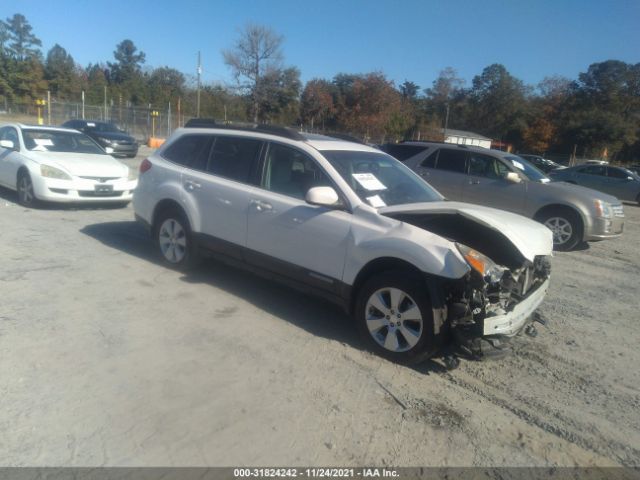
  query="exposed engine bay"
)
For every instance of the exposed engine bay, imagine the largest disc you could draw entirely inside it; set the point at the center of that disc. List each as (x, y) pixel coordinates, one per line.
(499, 280)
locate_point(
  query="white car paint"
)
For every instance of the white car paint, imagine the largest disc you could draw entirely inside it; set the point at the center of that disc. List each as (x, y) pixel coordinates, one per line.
(85, 169)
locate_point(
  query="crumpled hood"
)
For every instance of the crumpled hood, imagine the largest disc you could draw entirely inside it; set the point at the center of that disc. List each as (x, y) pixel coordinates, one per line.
(529, 237)
(83, 164)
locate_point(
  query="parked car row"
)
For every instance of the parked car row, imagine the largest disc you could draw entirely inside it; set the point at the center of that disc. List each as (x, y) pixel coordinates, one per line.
(508, 182)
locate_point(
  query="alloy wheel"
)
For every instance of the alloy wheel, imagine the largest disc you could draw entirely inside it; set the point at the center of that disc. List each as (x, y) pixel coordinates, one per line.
(393, 319)
(25, 190)
(561, 228)
(173, 240)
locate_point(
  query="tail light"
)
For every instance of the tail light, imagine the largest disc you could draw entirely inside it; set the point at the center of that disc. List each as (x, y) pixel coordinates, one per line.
(145, 165)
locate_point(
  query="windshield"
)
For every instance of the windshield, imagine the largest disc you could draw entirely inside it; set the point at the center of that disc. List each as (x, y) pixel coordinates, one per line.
(53, 141)
(525, 168)
(379, 179)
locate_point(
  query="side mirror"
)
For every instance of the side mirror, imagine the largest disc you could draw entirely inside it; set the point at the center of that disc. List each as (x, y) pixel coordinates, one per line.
(7, 144)
(513, 177)
(109, 150)
(322, 196)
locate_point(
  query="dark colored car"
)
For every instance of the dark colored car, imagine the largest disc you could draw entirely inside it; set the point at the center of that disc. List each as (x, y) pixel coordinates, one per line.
(107, 135)
(616, 181)
(543, 164)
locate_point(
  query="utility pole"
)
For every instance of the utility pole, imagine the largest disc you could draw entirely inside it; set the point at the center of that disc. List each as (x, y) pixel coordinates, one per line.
(82, 104)
(198, 94)
(446, 122)
(105, 103)
(48, 107)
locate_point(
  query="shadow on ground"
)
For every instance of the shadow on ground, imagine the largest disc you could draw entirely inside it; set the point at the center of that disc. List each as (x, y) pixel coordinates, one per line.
(314, 315)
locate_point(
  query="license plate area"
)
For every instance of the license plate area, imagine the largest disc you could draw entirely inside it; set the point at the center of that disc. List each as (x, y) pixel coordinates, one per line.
(104, 189)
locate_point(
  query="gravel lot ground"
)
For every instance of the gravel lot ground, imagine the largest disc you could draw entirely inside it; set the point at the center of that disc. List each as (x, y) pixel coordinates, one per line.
(108, 358)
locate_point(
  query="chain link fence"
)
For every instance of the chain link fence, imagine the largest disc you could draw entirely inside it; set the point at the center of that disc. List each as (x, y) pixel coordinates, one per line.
(139, 122)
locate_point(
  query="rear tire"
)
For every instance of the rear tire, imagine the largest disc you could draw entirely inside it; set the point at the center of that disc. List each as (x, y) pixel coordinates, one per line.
(26, 195)
(174, 240)
(394, 317)
(566, 227)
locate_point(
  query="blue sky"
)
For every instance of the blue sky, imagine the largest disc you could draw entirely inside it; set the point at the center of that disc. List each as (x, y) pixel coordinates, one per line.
(406, 39)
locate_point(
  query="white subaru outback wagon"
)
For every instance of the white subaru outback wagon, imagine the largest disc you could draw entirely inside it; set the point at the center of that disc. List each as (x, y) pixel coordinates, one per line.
(349, 223)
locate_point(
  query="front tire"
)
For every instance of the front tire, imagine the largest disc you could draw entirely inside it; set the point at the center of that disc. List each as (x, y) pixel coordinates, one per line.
(174, 240)
(394, 317)
(26, 195)
(566, 228)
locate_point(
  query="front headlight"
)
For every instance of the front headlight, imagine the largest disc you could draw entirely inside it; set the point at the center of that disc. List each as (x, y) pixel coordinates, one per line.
(603, 209)
(53, 172)
(487, 268)
(105, 140)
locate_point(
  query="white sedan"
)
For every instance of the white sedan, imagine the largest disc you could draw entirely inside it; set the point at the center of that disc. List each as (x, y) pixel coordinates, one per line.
(60, 165)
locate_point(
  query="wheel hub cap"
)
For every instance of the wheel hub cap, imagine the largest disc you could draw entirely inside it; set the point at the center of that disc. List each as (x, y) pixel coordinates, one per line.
(173, 240)
(393, 319)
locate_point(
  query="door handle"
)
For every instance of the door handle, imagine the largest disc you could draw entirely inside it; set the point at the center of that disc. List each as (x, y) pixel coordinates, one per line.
(191, 185)
(424, 174)
(474, 182)
(261, 206)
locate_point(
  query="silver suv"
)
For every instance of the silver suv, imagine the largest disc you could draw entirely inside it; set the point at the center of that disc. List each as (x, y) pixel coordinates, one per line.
(348, 223)
(507, 181)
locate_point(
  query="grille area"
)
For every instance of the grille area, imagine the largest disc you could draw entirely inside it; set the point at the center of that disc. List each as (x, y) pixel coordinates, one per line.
(618, 211)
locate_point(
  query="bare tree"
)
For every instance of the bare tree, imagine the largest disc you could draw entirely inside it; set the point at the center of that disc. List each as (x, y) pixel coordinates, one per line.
(256, 54)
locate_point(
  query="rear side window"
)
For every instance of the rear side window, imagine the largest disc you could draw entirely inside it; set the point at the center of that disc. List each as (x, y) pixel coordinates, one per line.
(451, 160)
(594, 170)
(190, 150)
(234, 157)
(404, 152)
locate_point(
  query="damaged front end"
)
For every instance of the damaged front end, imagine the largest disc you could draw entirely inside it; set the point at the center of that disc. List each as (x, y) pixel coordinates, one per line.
(497, 298)
(493, 302)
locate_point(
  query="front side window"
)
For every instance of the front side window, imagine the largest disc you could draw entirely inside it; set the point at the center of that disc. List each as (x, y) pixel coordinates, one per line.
(618, 173)
(290, 172)
(380, 180)
(486, 166)
(451, 160)
(190, 150)
(38, 140)
(524, 167)
(404, 152)
(234, 157)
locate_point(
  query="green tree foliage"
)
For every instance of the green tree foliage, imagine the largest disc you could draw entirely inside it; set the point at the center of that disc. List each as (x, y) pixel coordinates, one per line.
(497, 104)
(61, 73)
(22, 42)
(316, 104)
(126, 73)
(164, 85)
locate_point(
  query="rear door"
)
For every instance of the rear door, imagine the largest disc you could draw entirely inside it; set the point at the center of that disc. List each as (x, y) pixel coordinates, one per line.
(219, 184)
(445, 170)
(592, 176)
(486, 184)
(286, 235)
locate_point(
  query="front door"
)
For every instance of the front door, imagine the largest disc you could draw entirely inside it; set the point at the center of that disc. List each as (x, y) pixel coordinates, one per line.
(288, 236)
(486, 184)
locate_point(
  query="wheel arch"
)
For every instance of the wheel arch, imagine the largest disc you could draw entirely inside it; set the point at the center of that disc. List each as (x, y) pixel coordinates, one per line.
(555, 207)
(432, 283)
(164, 205)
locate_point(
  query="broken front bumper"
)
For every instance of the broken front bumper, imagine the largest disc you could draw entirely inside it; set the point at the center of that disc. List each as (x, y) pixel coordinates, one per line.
(509, 324)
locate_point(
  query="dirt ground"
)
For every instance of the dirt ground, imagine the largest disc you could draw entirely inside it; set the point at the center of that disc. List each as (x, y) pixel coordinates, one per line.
(108, 358)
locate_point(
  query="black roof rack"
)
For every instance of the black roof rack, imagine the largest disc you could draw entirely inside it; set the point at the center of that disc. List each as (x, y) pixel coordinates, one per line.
(346, 136)
(250, 127)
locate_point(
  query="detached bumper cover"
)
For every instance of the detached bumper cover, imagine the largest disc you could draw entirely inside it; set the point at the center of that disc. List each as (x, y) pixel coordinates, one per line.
(511, 323)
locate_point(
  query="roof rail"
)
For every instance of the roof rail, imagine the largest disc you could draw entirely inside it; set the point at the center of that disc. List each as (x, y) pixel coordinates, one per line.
(245, 127)
(346, 137)
(200, 123)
